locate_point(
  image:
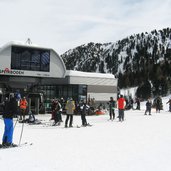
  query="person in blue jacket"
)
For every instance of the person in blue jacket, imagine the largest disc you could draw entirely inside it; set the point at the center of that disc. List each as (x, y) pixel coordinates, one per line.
(10, 108)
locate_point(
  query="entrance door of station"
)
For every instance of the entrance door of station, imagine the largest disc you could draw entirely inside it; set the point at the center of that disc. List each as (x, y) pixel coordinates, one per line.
(35, 102)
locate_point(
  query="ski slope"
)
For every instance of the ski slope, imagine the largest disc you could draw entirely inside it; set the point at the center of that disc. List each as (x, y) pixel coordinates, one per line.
(140, 143)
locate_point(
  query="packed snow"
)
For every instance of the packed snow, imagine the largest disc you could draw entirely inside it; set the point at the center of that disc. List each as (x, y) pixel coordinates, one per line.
(140, 143)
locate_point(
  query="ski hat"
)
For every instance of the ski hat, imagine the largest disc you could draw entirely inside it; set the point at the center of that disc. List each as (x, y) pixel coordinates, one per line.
(70, 98)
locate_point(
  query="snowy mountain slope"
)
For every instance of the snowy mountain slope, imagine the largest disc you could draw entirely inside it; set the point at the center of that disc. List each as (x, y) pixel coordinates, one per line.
(137, 60)
(124, 52)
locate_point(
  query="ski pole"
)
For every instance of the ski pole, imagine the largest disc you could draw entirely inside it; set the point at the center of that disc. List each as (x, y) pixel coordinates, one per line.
(21, 133)
(15, 123)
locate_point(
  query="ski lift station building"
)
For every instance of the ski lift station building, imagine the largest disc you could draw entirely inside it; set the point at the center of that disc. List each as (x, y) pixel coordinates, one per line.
(33, 70)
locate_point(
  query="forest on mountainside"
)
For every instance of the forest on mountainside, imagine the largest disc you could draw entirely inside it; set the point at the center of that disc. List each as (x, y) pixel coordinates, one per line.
(141, 60)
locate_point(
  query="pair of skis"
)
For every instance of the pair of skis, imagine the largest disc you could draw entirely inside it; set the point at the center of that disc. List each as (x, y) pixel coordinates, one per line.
(11, 146)
(82, 126)
(78, 126)
(59, 126)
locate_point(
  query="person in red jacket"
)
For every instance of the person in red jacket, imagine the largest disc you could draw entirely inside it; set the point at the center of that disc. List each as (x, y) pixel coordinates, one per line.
(23, 107)
(121, 107)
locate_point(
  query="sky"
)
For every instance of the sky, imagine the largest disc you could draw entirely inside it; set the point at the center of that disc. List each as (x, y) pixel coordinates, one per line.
(66, 24)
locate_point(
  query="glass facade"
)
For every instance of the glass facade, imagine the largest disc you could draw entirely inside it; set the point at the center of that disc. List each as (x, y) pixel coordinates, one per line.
(77, 92)
(31, 59)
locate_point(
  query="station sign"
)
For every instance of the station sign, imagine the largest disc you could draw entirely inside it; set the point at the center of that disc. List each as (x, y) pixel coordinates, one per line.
(11, 72)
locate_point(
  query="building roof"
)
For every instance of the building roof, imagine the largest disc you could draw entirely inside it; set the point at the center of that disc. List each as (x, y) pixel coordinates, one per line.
(20, 43)
(88, 74)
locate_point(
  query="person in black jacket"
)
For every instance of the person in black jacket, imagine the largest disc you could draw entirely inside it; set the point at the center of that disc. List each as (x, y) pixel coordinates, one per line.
(138, 103)
(158, 104)
(83, 109)
(10, 109)
(56, 110)
(148, 107)
(112, 104)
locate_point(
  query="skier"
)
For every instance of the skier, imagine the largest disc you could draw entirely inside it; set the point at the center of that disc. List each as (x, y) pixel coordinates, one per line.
(121, 108)
(31, 118)
(10, 109)
(23, 107)
(148, 107)
(83, 109)
(138, 104)
(169, 104)
(158, 104)
(70, 107)
(131, 103)
(112, 104)
(52, 109)
(62, 102)
(57, 108)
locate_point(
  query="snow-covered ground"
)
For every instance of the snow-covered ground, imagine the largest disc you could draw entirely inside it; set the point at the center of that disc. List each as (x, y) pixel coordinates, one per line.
(140, 143)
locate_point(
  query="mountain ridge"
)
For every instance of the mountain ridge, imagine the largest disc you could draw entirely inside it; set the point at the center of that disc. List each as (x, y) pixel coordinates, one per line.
(134, 60)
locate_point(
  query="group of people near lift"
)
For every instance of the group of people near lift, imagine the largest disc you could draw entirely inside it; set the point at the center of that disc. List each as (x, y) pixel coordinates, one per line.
(121, 103)
(18, 106)
(157, 104)
(14, 106)
(58, 106)
(82, 107)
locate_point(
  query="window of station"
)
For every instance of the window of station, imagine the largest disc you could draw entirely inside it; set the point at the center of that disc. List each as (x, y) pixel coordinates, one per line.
(58, 91)
(82, 89)
(82, 92)
(23, 58)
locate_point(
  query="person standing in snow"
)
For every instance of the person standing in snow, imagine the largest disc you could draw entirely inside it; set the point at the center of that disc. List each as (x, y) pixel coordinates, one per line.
(83, 109)
(112, 104)
(130, 103)
(158, 104)
(62, 102)
(70, 107)
(10, 109)
(23, 107)
(53, 109)
(148, 107)
(138, 104)
(57, 108)
(121, 107)
(169, 104)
